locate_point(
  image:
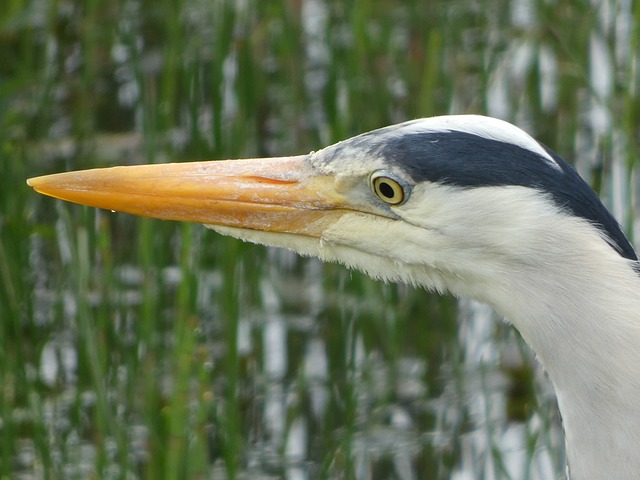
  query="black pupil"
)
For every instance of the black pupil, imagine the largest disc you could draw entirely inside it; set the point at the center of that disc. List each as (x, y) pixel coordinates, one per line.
(386, 190)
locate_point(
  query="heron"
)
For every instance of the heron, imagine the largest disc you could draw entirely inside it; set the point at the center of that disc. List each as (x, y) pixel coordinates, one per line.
(464, 204)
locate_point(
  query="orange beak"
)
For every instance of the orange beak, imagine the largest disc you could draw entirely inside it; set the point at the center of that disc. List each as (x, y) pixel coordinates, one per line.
(269, 194)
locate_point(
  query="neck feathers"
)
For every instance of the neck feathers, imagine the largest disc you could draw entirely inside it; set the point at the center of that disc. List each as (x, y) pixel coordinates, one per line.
(583, 321)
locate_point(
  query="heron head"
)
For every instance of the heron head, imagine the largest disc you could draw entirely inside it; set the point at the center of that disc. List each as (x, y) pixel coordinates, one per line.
(444, 202)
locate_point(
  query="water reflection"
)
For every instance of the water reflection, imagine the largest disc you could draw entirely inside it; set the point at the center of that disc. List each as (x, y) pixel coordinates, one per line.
(318, 404)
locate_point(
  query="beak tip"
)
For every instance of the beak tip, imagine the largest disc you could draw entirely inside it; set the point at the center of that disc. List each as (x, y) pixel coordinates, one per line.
(34, 182)
(38, 182)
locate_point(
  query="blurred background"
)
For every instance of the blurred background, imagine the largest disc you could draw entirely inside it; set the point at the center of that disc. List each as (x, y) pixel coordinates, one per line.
(140, 349)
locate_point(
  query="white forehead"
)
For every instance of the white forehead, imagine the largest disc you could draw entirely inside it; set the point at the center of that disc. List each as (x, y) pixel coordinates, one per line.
(486, 127)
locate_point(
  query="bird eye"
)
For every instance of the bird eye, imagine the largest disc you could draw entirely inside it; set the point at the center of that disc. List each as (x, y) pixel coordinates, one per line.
(388, 189)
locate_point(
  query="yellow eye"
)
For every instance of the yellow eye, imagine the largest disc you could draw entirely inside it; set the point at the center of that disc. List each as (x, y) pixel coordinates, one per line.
(388, 190)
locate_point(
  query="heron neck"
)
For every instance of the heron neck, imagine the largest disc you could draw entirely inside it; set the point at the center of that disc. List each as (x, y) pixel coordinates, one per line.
(584, 325)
